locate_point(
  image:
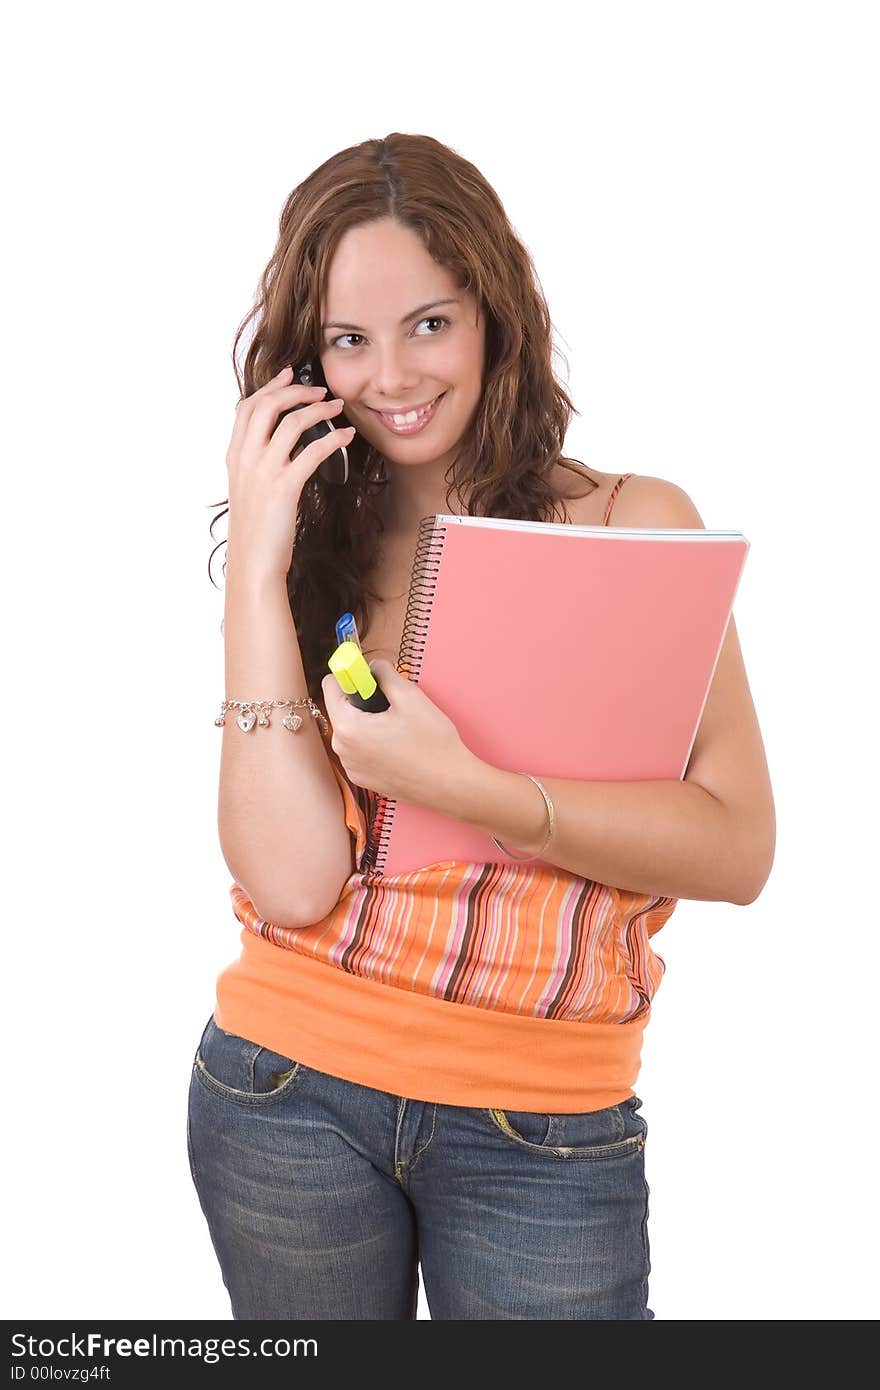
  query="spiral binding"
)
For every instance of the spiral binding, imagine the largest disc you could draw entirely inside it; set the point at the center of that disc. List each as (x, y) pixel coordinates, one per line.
(423, 583)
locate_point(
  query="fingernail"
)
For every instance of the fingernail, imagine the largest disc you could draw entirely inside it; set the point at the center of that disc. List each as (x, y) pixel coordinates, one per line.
(283, 370)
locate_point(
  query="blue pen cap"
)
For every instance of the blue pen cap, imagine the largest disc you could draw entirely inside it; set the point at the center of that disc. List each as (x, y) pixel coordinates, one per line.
(346, 630)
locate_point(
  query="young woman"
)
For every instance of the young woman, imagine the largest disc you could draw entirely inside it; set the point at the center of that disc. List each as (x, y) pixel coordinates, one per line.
(433, 1069)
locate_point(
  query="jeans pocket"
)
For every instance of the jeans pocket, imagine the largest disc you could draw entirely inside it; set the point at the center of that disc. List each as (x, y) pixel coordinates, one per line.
(242, 1071)
(593, 1134)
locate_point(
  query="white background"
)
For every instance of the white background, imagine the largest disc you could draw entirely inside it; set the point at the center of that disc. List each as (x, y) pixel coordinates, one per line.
(697, 184)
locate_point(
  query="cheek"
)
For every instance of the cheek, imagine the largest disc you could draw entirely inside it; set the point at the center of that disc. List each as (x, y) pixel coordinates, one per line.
(465, 358)
(339, 368)
(332, 375)
(348, 385)
(460, 368)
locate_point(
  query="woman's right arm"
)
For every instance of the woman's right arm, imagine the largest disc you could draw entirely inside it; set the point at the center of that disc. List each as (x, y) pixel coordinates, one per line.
(281, 815)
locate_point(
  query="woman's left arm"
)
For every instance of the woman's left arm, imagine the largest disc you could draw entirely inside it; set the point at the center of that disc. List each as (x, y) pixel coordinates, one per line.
(710, 836)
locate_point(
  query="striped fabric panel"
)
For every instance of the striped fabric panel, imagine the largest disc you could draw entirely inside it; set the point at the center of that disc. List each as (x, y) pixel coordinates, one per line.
(525, 939)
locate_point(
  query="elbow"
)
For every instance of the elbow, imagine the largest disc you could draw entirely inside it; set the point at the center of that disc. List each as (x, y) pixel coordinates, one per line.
(287, 912)
(746, 898)
(288, 921)
(298, 906)
(321, 912)
(752, 890)
(750, 848)
(755, 891)
(308, 914)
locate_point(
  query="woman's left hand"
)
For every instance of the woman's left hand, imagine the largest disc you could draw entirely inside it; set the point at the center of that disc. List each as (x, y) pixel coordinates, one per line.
(410, 752)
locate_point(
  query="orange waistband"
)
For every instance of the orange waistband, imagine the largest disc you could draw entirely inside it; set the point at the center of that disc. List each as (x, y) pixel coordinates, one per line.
(418, 1046)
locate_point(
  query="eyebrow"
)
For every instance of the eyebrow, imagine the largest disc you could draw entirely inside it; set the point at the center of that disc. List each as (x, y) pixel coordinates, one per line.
(434, 304)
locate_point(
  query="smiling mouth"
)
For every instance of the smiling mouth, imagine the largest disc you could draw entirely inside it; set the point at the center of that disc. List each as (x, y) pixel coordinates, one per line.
(407, 426)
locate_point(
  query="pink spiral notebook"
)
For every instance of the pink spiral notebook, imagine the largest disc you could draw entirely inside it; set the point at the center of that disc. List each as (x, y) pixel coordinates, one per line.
(582, 652)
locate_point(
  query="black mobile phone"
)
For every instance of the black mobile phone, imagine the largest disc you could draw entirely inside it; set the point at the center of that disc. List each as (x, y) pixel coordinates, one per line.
(335, 468)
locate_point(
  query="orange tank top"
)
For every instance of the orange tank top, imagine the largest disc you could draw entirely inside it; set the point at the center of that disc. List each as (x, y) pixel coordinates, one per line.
(518, 986)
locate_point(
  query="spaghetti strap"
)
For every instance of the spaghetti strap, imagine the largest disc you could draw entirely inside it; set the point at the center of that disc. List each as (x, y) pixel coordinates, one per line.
(614, 491)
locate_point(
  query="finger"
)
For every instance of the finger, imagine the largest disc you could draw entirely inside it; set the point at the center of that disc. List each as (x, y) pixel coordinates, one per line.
(389, 680)
(263, 403)
(384, 668)
(279, 405)
(332, 694)
(286, 437)
(245, 406)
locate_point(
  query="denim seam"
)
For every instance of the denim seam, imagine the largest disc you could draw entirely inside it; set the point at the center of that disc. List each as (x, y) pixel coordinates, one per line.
(402, 1164)
(645, 1253)
(411, 1162)
(189, 1143)
(398, 1166)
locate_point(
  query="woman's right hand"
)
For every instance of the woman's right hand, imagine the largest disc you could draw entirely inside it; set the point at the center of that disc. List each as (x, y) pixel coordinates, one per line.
(265, 484)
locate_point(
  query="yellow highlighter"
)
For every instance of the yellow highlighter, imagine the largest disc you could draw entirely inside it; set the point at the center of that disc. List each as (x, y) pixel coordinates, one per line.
(355, 678)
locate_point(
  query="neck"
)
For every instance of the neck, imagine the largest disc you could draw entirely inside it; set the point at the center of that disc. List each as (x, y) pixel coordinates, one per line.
(414, 491)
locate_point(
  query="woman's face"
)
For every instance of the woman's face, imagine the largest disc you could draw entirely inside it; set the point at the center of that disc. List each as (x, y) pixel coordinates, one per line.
(387, 342)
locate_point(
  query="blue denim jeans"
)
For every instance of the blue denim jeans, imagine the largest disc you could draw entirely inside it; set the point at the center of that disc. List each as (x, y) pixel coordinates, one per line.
(323, 1197)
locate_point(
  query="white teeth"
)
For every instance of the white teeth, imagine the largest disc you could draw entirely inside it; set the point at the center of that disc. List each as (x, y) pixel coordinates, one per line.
(411, 415)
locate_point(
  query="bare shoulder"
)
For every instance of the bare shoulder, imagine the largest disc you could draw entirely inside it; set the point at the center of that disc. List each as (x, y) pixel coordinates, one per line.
(645, 500)
(641, 500)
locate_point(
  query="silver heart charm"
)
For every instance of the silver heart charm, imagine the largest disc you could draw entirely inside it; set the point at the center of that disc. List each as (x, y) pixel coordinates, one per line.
(246, 721)
(292, 722)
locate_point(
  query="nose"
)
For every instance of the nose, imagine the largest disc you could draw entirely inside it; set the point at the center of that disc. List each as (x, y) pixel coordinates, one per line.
(393, 380)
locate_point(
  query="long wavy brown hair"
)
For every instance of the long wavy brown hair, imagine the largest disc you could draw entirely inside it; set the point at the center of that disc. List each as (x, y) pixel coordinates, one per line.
(504, 461)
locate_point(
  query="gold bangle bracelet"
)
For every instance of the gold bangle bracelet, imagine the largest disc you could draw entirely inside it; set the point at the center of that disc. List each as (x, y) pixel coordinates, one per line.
(551, 815)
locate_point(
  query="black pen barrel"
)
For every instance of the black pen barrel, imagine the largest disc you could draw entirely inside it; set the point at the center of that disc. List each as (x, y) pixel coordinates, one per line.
(374, 704)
